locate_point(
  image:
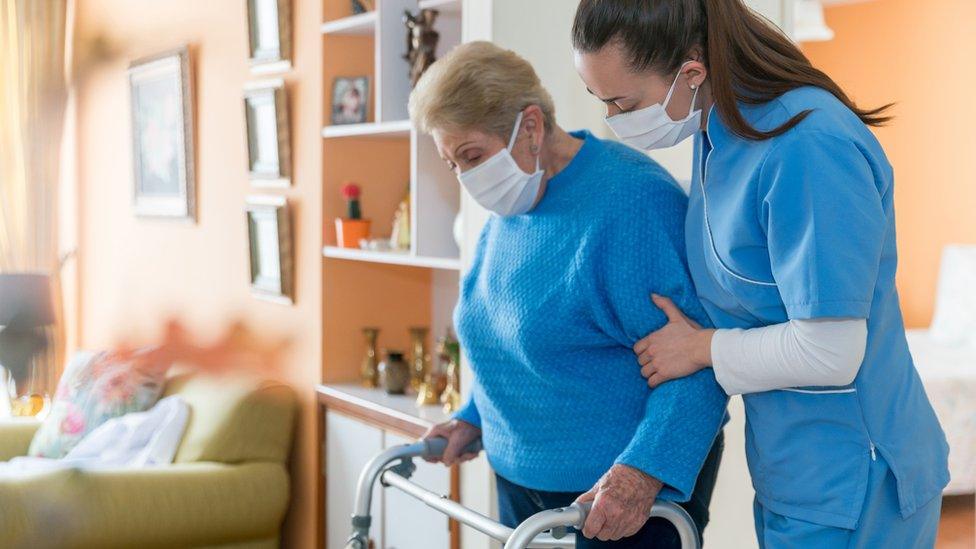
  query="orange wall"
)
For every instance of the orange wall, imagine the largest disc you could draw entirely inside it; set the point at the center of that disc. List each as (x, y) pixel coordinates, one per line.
(134, 272)
(920, 55)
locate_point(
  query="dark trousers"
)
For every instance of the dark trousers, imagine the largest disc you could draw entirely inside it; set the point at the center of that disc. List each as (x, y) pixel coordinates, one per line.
(517, 503)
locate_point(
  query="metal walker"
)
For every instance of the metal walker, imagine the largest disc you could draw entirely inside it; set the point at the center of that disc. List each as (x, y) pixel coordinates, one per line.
(546, 529)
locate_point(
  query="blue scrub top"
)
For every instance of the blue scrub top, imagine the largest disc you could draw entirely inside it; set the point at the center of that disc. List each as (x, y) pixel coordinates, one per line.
(802, 226)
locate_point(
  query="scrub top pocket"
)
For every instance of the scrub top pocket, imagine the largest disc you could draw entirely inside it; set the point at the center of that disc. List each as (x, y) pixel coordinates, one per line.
(809, 453)
(752, 291)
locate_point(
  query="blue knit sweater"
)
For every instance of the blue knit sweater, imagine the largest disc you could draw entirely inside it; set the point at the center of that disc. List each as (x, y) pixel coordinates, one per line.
(548, 316)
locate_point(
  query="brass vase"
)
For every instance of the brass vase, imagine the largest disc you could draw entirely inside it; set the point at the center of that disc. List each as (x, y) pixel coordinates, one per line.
(450, 350)
(419, 359)
(427, 393)
(369, 373)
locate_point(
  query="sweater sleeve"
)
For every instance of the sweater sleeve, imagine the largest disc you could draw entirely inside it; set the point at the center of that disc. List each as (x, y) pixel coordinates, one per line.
(644, 254)
(468, 413)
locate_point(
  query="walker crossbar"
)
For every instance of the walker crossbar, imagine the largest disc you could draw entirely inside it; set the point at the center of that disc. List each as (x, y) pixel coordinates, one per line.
(528, 534)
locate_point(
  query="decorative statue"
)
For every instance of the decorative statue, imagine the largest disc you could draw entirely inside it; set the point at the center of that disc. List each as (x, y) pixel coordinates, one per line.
(400, 235)
(421, 42)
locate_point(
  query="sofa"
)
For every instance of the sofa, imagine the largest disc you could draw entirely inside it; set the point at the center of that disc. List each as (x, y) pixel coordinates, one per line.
(228, 485)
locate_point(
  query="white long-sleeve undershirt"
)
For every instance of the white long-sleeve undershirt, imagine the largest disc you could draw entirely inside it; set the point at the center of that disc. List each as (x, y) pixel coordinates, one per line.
(798, 353)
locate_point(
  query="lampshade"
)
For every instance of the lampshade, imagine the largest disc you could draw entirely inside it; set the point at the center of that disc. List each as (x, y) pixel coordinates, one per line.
(25, 300)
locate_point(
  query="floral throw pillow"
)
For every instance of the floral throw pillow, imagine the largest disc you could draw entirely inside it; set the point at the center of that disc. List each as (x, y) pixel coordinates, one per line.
(94, 388)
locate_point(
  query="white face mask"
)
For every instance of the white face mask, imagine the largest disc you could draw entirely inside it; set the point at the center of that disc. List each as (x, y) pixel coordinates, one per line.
(652, 127)
(499, 185)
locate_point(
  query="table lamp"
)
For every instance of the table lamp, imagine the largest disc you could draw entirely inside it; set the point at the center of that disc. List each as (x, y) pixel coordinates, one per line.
(26, 308)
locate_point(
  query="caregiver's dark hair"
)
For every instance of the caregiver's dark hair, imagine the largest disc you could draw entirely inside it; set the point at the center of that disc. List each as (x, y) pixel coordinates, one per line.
(748, 59)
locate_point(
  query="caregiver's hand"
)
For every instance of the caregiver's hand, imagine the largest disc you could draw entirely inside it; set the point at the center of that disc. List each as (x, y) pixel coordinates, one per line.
(458, 434)
(680, 348)
(622, 501)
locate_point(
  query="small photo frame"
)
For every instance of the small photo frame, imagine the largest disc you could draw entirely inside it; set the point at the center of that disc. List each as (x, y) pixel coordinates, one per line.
(350, 97)
(162, 136)
(269, 35)
(268, 136)
(270, 248)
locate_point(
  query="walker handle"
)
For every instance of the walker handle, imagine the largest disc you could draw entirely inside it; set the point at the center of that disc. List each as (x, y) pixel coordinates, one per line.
(435, 446)
(575, 515)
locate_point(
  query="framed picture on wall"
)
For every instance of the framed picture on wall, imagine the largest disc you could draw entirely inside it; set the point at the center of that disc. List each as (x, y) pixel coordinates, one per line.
(162, 135)
(270, 248)
(268, 139)
(269, 34)
(350, 96)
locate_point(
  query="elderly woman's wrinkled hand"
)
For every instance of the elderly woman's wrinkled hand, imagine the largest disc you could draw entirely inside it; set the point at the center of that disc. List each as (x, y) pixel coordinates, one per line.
(622, 501)
(458, 434)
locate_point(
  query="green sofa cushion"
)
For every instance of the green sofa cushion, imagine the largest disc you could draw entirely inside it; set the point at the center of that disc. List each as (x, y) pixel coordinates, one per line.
(234, 420)
(183, 505)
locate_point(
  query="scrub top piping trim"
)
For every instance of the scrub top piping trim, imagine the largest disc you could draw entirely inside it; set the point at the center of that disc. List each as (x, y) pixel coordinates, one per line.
(824, 392)
(708, 224)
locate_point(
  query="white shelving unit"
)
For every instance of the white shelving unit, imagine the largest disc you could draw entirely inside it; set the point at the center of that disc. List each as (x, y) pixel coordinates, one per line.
(400, 128)
(382, 155)
(443, 6)
(362, 23)
(392, 258)
(435, 195)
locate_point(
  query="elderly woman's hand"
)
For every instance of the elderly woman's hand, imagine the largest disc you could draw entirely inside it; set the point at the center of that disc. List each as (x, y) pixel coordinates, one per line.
(622, 501)
(680, 348)
(458, 434)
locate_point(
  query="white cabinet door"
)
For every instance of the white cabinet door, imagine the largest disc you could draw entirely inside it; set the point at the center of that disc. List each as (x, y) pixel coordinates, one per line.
(349, 444)
(408, 523)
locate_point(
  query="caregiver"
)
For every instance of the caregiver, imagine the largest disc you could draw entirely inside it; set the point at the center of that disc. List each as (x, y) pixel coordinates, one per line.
(790, 237)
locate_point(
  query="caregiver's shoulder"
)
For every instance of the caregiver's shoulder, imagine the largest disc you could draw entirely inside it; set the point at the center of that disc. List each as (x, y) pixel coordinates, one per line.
(633, 179)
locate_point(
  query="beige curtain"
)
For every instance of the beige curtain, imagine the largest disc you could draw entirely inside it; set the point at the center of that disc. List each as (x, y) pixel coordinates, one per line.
(33, 95)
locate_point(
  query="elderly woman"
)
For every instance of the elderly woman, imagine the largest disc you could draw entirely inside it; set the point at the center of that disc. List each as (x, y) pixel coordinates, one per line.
(584, 232)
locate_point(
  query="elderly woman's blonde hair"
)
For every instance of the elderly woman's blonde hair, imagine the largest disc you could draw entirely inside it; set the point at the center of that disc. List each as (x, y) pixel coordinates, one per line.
(478, 86)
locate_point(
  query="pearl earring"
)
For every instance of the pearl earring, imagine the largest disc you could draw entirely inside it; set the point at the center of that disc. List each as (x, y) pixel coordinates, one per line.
(693, 86)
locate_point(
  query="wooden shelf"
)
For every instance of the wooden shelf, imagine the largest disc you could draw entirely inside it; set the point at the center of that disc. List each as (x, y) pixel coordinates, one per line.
(361, 23)
(392, 258)
(445, 6)
(375, 406)
(398, 128)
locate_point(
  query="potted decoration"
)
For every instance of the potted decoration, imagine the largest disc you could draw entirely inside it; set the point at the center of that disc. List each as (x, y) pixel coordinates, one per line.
(352, 228)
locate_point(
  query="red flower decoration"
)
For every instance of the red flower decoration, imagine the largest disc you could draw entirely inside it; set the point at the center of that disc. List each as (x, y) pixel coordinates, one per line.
(350, 191)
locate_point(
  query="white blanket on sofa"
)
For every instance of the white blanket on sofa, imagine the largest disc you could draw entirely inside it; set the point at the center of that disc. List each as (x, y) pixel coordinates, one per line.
(138, 439)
